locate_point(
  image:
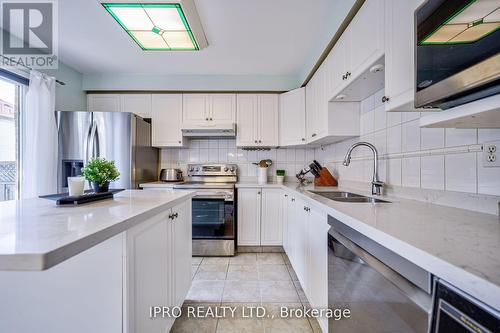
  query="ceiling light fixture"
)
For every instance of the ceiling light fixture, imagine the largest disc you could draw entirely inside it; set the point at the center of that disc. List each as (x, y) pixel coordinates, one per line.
(474, 21)
(160, 26)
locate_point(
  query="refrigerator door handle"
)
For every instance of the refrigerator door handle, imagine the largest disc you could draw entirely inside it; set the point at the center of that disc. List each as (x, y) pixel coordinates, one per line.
(86, 145)
(91, 142)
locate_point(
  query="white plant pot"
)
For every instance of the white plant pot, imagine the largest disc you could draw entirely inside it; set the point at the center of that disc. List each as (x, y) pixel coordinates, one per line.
(280, 179)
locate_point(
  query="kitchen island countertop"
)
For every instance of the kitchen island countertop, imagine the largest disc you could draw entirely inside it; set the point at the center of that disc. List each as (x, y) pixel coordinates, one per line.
(35, 234)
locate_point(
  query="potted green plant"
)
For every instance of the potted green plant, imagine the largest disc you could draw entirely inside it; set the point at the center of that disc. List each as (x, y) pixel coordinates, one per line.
(100, 172)
(280, 176)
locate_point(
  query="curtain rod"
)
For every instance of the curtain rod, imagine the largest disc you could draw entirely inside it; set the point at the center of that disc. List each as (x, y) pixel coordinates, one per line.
(28, 69)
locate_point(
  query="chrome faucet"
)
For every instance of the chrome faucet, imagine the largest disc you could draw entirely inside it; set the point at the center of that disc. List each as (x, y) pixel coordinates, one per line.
(376, 183)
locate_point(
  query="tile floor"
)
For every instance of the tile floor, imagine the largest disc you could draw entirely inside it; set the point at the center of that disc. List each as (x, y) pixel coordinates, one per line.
(248, 279)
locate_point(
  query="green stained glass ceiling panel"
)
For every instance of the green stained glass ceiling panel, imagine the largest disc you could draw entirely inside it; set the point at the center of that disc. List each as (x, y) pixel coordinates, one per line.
(154, 27)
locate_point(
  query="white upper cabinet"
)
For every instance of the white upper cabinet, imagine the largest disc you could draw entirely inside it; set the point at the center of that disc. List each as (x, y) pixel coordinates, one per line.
(317, 105)
(103, 102)
(223, 108)
(208, 110)
(359, 47)
(195, 109)
(399, 55)
(257, 120)
(140, 104)
(292, 118)
(166, 120)
(366, 35)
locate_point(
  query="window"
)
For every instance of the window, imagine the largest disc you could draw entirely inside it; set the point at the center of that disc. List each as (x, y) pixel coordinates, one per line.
(11, 102)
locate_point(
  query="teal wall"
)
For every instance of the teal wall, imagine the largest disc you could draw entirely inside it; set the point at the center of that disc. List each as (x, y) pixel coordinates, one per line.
(188, 82)
(69, 97)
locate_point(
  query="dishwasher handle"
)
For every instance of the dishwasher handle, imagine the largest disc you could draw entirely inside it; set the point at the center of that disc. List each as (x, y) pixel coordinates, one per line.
(422, 299)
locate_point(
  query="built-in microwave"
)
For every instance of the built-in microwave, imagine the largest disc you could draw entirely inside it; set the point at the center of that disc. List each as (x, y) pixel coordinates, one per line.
(457, 53)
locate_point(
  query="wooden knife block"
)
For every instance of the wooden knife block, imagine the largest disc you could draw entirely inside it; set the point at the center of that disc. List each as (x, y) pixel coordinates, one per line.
(325, 179)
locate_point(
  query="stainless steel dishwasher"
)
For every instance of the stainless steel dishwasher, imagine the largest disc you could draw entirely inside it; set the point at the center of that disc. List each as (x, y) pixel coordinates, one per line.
(384, 292)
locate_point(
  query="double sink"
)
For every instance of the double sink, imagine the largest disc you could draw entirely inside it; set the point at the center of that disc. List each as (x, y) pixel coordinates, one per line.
(348, 197)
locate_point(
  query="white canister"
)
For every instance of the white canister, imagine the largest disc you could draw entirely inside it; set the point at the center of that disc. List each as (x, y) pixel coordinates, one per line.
(280, 179)
(262, 175)
(76, 186)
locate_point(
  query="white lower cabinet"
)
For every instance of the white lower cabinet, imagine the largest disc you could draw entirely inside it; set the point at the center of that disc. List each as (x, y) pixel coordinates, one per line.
(158, 268)
(305, 241)
(317, 263)
(259, 217)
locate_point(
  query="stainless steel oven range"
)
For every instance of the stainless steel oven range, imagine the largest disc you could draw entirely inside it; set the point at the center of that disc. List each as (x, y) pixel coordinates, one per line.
(213, 214)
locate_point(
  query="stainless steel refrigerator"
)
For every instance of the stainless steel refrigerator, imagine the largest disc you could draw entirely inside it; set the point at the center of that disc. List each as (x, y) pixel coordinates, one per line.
(119, 136)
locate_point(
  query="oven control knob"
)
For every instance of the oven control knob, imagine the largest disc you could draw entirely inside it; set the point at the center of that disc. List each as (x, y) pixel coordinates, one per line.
(191, 169)
(197, 169)
(232, 169)
(226, 169)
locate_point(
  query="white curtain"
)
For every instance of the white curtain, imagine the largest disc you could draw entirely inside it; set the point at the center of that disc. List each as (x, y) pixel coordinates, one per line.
(39, 139)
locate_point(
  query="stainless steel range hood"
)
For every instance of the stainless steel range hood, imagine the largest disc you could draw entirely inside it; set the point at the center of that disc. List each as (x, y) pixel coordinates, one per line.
(221, 130)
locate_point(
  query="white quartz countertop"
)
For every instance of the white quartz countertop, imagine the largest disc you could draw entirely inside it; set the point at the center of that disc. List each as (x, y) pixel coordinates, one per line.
(35, 234)
(457, 245)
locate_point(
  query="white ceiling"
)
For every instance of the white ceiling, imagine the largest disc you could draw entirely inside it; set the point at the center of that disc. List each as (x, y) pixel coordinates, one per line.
(246, 37)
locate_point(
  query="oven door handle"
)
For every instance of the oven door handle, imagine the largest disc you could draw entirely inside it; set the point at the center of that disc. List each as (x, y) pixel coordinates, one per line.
(210, 196)
(410, 290)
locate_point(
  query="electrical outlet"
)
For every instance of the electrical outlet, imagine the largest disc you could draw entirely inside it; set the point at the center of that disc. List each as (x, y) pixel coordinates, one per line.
(490, 151)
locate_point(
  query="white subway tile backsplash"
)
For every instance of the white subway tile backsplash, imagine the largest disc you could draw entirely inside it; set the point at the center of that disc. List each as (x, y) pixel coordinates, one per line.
(431, 138)
(394, 172)
(368, 104)
(394, 139)
(432, 172)
(460, 172)
(410, 172)
(410, 136)
(223, 155)
(488, 179)
(393, 118)
(204, 143)
(290, 155)
(300, 155)
(380, 118)
(367, 122)
(409, 116)
(214, 144)
(204, 155)
(485, 135)
(459, 137)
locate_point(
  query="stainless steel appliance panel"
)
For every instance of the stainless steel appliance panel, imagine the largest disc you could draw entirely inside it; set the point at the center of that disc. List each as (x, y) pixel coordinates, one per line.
(453, 68)
(73, 130)
(379, 298)
(112, 140)
(122, 137)
(145, 161)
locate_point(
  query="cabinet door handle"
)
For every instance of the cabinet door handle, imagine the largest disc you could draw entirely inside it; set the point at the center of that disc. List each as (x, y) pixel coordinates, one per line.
(260, 141)
(385, 99)
(206, 118)
(347, 74)
(211, 119)
(180, 141)
(255, 141)
(286, 195)
(170, 216)
(313, 135)
(293, 199)
(258, 192)
(303, 139)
